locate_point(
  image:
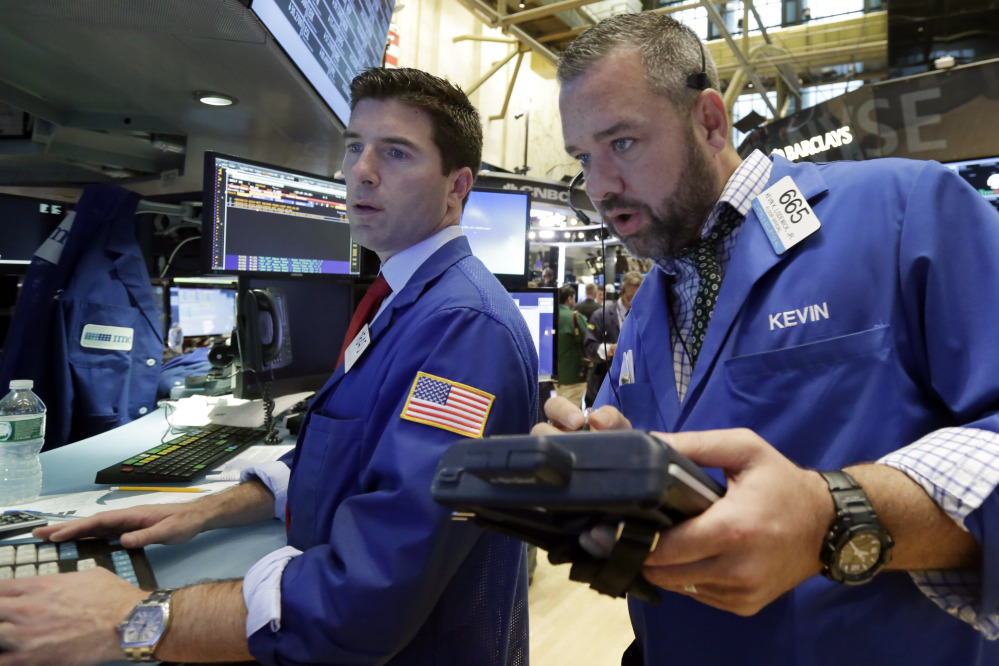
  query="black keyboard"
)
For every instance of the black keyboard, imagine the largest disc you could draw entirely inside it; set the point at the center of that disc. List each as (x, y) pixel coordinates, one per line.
(183, 458)
(27, 557)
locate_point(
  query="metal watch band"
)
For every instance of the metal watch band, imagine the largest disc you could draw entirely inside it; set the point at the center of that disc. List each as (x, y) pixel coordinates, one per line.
(144, 653)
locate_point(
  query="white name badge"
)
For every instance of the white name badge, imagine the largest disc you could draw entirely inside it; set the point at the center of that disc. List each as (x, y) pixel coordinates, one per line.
(786, 217)
(117, 338)
(356, 348)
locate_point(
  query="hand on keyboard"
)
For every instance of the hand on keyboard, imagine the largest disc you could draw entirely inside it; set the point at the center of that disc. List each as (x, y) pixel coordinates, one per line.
(170, 523)
(53, 620)
(138, 526)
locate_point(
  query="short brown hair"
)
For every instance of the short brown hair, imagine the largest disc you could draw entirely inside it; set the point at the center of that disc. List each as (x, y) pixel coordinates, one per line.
(670, 52)
(457, 128)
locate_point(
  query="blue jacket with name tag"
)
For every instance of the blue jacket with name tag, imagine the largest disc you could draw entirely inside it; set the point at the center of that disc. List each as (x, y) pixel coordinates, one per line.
(86, 329)
(876, 330)
(385, 576)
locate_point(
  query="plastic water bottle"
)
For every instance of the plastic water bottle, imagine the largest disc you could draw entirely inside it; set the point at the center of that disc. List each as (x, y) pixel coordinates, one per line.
(22, 433)
(175, 338)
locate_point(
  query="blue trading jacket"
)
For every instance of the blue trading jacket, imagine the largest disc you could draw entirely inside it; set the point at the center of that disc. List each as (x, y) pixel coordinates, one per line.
(386, 577)
(874, 331)
(86, 329)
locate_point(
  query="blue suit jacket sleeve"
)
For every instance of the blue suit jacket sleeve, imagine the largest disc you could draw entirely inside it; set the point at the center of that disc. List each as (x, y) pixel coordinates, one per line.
(948, 260)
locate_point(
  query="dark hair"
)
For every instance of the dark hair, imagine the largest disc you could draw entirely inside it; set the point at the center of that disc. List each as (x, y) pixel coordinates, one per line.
(457, 129)
(670, 52)
(565, 292)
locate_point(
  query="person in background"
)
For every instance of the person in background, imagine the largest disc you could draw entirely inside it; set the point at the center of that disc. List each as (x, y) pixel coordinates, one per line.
(586, 306)
(571, 359)
(375, 572)
(841, 378)
(602, 331)
(548, 277)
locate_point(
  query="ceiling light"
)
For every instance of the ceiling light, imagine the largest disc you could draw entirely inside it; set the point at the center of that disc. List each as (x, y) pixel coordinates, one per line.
(214, 98)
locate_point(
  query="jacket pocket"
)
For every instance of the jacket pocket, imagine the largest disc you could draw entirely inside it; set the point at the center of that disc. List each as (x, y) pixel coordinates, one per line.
(326, 471)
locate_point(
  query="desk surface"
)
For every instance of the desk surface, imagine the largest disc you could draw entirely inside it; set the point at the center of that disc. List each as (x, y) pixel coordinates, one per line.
(219, 554)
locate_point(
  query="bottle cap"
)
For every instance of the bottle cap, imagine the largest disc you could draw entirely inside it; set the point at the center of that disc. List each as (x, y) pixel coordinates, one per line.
(21, 384)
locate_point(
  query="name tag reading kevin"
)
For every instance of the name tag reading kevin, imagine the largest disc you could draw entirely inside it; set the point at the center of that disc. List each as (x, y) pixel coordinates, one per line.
(356, 348)
(786, 217)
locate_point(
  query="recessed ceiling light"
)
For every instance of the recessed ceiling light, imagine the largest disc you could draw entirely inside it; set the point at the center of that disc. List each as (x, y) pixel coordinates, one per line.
(214, 98)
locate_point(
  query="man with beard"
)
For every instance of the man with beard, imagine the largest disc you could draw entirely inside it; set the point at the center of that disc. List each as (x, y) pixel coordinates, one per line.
(852, 334)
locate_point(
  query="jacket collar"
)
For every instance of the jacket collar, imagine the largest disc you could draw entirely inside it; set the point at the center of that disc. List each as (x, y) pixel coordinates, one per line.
(435, 266)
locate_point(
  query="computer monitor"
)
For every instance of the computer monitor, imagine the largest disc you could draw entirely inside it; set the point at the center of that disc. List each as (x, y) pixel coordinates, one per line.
(260, 218)
(496, 223)
(293, 341)
(25, 223)
(539, 306)
(330, 43)
(982, 174)
(203, 309)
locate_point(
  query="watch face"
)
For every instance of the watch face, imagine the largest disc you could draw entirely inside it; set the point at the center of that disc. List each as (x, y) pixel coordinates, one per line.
(860, 554)
(144, 626)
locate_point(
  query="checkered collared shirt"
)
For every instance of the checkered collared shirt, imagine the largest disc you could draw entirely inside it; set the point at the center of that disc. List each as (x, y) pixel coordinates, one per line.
(745, 184)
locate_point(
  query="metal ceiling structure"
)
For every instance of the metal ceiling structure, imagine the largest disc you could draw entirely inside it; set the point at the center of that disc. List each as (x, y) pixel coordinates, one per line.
(783, 60)
(103, 90)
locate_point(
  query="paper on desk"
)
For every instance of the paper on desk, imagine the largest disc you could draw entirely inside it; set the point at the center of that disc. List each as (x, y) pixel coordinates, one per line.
(250, 413)
(200, 410)
(88, 503)
(193, 410)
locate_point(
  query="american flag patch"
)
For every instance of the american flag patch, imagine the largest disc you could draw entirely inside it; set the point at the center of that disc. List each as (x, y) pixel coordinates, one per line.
(441, 403)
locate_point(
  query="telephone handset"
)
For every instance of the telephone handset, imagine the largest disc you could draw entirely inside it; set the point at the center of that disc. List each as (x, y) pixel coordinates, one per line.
(262, 321)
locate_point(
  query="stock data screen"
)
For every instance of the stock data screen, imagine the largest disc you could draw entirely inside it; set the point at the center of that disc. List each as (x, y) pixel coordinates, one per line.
(264, 219)
(330, 41)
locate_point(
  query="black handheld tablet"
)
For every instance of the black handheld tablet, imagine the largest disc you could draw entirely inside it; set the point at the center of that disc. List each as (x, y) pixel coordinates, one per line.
(549, 489)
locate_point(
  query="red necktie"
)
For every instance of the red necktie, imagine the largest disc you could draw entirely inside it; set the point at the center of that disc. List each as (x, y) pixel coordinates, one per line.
(365, 311)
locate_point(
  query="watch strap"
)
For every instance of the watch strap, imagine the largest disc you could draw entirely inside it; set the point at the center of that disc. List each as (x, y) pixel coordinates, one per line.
(853, 511)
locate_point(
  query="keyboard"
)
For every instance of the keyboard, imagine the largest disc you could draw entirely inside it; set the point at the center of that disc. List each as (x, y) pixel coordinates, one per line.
(26, 558)
(183, 458)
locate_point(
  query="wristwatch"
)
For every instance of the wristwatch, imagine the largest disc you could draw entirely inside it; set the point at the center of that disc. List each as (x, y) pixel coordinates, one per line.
(856, 546)
(145, 626)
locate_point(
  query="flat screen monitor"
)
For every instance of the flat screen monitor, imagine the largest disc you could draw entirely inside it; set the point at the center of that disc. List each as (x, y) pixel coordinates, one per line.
(329, 42)
(312, 318)
(496, 223)
(261, 218)
(982, 174)
(539, 305)
(203, 310)
(25, 223)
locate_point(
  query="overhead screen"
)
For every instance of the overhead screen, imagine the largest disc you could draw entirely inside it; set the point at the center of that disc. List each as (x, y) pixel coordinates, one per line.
(329, 42)
(260, 218)
(539, 306)
(496, 223)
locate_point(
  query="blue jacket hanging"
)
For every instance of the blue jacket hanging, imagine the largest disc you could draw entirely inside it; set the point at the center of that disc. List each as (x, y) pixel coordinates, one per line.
(85, 327)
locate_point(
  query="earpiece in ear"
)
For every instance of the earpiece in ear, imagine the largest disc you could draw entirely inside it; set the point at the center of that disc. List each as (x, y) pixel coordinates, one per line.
(700, 81)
